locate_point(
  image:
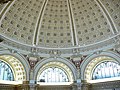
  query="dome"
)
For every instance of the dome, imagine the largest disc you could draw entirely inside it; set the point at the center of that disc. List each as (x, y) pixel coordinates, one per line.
(60, 44)
(65, 25)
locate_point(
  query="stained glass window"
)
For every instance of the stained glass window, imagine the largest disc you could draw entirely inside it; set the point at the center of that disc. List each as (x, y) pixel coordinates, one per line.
(107, 69)
(5, 72)
(53, 74)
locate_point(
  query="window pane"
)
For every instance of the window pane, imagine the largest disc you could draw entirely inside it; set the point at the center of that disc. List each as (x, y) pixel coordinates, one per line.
(5, 72)
(106, 69)
(53, 74)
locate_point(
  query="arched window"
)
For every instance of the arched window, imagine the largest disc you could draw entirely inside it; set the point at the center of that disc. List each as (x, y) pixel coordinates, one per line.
(5, 72)
(107, 69)
(53, 74)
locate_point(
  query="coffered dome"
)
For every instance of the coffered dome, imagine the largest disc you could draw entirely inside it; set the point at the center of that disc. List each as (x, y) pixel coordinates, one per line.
(60, 24)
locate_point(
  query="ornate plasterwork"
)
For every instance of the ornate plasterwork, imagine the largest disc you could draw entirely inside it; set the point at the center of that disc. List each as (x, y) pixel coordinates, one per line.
(16, 66)
(59, 24)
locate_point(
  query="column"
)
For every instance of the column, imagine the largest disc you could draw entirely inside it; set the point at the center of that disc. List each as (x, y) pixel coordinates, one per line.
(33, 86)
(85, 85)
(74, 86)
(32, 82)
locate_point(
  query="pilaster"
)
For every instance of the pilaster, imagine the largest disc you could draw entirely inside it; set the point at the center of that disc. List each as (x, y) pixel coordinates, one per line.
(85, 85)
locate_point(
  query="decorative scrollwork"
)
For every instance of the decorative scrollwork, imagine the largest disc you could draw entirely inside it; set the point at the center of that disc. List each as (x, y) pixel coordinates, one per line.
(55, 53)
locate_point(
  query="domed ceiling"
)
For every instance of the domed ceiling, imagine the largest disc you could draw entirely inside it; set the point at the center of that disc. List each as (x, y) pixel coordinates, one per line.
(59, 24)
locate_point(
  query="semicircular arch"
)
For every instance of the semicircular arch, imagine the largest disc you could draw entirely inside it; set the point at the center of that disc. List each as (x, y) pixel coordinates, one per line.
(91, 61)
(18, 63)
(65, 64)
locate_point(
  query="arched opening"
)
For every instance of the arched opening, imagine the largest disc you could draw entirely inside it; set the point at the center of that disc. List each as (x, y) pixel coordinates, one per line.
(6, 72)
(102, 69)
(55, 73)
(106, 69)
(12, 70)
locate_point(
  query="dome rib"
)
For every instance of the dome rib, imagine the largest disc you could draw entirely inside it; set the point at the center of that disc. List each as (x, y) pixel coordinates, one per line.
(38, 24)
(55, 27)
(110, 20)
(73, 26)
(5, 9)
